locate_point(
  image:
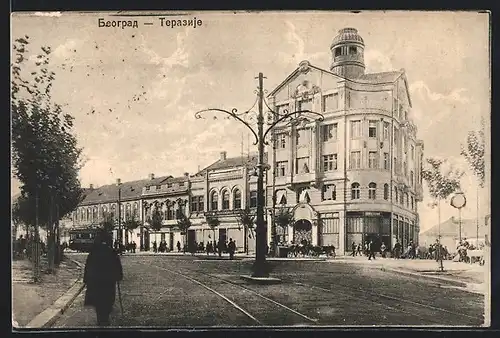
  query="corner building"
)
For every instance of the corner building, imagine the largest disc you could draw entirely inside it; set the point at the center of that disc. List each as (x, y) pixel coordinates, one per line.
(356, 175)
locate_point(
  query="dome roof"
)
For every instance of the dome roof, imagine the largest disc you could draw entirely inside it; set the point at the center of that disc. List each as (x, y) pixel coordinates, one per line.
(347, 35)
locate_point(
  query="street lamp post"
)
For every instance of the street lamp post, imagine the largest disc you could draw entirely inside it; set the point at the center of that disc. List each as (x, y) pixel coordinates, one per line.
(260, 266)
(119, 184)
(459, 201)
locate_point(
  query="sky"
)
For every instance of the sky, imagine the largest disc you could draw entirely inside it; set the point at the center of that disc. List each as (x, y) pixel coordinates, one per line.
(134, 91)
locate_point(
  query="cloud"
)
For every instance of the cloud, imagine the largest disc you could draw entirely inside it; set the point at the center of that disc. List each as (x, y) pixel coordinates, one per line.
(454, 96)
(377, 61)
(65, 50)
(299, 50)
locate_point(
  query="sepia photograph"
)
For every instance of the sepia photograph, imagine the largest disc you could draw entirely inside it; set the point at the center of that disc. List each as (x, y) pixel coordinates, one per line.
(226, 169)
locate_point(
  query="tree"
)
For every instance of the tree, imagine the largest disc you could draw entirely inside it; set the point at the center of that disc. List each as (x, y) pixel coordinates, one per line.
(184, 223)
(474, 151)
(441, 185)
(156, 221)
(108, 222)
(213, 222)
(247, 219)
(132, 223)
(45, 155)
(284, 218)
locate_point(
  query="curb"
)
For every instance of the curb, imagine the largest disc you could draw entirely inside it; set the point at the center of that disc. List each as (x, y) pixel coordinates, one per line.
(49, 316)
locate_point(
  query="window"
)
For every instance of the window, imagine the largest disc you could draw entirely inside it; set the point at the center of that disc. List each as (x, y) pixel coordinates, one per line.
(407, 200)
(355, 191)
(412, 178)
(300, 137)
(412, 203)
(329, 192)
(355, 159)
(304, 105)
(386, 130)
(338, 51)
(386, 191)
(169, 185)
(282, 141)
(127, 212)
(181, 184)
(253, 199)
(405, 169)
(194, 203)
(113, 210)
(386, 161)
(330, 162)
(372, 160)
(372, 191)
(282, 168)
(395, 194)
(237, 199)
(147, 188)
(158, 187)
(355, 129)
(302, 166)
(412, 152)
(329, 132)
(372, 129)
(395, 165)
(88, 215)
(214, 200)
(402, 198)
(225, 200)
(396, 137)
(352, 50)
(170, 212)
(94, 214)
(330, 102)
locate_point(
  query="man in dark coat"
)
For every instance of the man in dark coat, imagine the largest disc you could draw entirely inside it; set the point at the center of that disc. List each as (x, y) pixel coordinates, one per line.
(103, 270)
(371, 250)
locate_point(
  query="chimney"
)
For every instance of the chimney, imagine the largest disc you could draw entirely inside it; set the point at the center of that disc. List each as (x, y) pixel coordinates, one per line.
(151, 176)
(118, 181)
(186, 174)
(223, 155)
(91, 186)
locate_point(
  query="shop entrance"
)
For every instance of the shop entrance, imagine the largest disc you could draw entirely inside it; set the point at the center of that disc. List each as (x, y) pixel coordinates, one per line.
(302, 231)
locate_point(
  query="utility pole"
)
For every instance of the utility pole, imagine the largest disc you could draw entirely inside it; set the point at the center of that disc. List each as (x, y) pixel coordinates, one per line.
(119, 183)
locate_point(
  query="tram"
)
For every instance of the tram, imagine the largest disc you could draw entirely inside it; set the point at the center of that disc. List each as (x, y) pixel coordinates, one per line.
(82, 239)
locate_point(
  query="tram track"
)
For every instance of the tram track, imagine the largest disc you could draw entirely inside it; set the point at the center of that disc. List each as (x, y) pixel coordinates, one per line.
(248, 296)
(396, 302)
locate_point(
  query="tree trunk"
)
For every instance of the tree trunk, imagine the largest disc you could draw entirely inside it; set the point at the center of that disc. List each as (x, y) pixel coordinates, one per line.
(51, 238)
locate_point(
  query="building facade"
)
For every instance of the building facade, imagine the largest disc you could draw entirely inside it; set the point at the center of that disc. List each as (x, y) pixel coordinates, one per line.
(356, 175)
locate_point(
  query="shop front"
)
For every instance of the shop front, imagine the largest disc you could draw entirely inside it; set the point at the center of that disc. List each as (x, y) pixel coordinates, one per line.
(363, 227)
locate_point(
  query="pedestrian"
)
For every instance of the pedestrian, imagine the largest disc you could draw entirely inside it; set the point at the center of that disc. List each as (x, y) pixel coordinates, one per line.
(382, 250)
(231, 247)
(155, 247)
(353, 248)
(209, 247)
(178, 246)
(103, 270)
(371, 250)
(220, 248)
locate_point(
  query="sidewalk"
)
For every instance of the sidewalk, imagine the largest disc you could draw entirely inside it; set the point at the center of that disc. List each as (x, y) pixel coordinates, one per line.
(471, 275)
(29, 299)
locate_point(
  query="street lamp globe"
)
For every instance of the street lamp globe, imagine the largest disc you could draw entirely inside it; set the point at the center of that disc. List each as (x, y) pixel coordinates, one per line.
(458, 200)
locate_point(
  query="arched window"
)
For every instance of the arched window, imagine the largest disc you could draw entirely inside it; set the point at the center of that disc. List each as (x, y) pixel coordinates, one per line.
(127, 212)
(355, 191)
(407, 200)
(396, 194)
(135, 211)
(372, 190)
(214, 201)
(236, 199)
(94, 214)
(87, 217)
(225, 200)
(412, 178)
(386, 191)
(113, 210)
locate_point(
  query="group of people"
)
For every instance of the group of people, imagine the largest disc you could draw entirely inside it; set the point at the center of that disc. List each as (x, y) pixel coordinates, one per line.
(211, 247)
(369, 249)
(23, 247)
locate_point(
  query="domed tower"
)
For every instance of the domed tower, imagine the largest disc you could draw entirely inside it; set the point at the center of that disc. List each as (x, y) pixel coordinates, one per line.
(348, 50)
